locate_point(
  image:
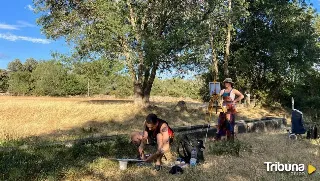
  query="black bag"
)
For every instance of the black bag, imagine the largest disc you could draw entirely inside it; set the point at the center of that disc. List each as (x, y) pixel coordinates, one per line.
(186, 146)
(312, 132)
(176, 170)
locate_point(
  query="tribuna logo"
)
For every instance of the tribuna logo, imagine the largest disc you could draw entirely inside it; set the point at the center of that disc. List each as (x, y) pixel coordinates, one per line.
(287, 167)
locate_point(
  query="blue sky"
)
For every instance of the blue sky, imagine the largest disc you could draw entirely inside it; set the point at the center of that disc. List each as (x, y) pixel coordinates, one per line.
(21, 38)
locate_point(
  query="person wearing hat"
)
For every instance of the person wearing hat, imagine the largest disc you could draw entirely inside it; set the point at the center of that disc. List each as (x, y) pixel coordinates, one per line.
(226, 120)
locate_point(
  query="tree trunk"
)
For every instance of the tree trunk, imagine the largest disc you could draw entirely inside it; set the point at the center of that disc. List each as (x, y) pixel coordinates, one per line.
(141, 98)
(142, 91)
(214, 57)
(138, 94)
(228, 40)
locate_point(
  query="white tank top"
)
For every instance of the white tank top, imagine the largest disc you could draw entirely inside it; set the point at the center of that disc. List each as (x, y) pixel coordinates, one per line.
(232, 95)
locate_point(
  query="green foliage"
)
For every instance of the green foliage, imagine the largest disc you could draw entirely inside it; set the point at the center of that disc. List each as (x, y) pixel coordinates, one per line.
(273, 48)
(307, 96)
(56, 78)
(146, 35)
(15, 65)
(176, 88)
(100, 74)
(30, 64)
(276, 45)
(19, 83)
(119, 86)
(49, 79)
(74, 85)
(4, 78)
(44, 162)
(120, 46)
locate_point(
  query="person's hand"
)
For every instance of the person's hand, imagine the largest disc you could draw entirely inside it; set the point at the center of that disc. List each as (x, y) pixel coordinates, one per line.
(140, 150)
(147, 159)
(143, 156)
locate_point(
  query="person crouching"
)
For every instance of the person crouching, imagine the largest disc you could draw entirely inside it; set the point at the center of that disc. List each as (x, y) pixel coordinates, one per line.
(156, 133)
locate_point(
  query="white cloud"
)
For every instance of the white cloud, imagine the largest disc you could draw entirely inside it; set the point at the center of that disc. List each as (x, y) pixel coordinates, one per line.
(29, 7)
(20, 24)
(12, 37)
(25, 24)
(8, 27)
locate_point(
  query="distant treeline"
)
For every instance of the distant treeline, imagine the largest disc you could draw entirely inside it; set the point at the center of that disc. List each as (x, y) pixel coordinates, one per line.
(53, 78)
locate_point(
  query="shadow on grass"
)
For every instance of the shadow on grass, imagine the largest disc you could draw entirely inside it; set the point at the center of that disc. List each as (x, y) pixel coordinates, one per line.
(100, 127)
(42, 163)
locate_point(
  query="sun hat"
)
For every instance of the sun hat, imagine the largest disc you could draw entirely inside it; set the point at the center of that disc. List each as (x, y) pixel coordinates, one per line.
(228, 80)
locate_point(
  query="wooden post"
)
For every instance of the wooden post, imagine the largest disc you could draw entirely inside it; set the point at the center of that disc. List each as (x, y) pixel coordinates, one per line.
(254, 100)
(247, 99)
(88, 87)
(292, 101)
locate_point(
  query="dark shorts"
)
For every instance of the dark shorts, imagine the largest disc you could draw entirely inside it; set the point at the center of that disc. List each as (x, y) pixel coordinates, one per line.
(225, 127)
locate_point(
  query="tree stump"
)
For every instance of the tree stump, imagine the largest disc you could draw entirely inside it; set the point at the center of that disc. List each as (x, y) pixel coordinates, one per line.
(181, 106)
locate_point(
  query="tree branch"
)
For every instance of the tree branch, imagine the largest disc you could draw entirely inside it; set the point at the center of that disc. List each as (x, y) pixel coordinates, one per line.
(126, 52)
(151, 78)
(138, 37)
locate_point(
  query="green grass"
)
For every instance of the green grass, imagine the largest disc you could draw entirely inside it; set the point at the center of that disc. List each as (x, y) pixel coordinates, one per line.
(44, 162)
(241, 160)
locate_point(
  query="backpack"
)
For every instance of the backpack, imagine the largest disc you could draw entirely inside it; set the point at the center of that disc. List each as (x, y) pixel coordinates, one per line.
(312, 133)
(186, 146)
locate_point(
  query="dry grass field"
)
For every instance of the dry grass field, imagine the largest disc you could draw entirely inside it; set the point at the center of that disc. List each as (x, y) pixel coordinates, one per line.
(40, 120)
(249, 165)
(69, 118)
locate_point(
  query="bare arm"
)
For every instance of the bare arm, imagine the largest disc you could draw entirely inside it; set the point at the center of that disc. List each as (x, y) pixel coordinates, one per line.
(239, 94)
(165, 137)
(144, 139)
(221, 92)
(162, 140)
(221, 98)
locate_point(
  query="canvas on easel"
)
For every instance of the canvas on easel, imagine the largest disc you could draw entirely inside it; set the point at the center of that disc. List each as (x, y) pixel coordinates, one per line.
(214, 87)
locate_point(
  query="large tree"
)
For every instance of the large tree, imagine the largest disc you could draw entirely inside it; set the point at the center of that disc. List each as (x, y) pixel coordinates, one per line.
(4, 77)
(19, 83)
(49, 78)
(222, 19)
(15, 65)
(275, 46)
(148, 35)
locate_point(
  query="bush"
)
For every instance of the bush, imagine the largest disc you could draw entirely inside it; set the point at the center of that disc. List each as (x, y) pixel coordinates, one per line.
(75, 85)
(4, 78)
(49, 79)
(176, 88)
(19, 83)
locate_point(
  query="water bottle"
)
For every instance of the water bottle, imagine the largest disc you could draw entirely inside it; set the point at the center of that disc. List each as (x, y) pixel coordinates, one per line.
(193, 160)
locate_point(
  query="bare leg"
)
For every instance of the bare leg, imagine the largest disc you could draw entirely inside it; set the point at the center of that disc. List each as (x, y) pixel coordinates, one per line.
(230, 133)
(228, 116)
(160, 143)
(163, 146)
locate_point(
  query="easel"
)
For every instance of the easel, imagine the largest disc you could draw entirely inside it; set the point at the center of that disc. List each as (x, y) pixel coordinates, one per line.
(214, 88)
(214, 103)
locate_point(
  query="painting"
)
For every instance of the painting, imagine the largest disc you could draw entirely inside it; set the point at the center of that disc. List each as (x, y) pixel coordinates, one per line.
(214, 88)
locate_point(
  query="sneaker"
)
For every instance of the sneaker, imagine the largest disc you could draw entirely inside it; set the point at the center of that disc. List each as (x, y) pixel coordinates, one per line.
(158, 167)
